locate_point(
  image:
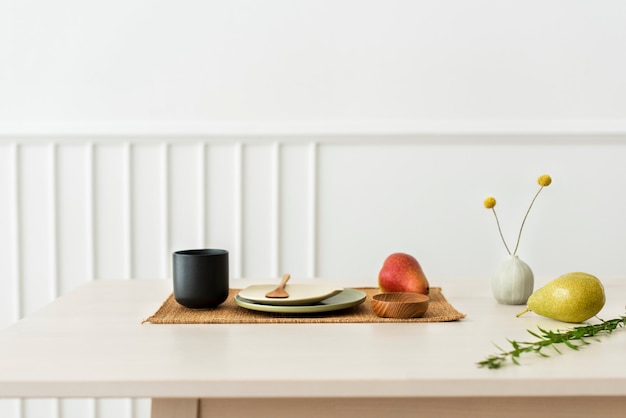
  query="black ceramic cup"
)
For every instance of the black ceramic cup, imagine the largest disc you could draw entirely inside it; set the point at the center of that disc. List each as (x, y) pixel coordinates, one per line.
(200, 278)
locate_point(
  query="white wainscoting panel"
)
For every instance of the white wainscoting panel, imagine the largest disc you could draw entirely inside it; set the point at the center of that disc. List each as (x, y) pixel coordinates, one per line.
(85, 207)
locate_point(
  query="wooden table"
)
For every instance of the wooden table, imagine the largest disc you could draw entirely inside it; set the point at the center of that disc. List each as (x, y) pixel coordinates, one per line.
(91, 343)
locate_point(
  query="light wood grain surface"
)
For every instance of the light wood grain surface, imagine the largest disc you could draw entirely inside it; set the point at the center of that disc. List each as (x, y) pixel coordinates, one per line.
(91, 343)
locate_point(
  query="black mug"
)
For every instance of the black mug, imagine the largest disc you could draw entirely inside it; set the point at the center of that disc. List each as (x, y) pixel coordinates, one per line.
(201, 278)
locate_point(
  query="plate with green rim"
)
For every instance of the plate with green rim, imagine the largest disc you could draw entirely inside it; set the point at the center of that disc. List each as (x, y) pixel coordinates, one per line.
(299, 294)
(347, 298)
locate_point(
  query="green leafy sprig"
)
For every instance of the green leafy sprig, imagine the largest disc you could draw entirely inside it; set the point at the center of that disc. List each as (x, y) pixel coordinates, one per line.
(573, 338)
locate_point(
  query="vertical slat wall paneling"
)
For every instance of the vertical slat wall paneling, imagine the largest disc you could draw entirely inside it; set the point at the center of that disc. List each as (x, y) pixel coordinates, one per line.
(294, 234)
(202, 195)
(124, 408)
(83, 408)
(37, 265)
(184, 199)
(223, 197)
(84, 209)
(53, 185)
(238, 205)
(149, 214)
(127, 165)
(110, 211)
(53, 245)
(73, 243)
(10, 294)
(141, 408)
(113, 408)
(112, 232)
(258, 192)
(75, 232)
(35, 202)
(77, 408)
(163, 204)
(113, 202)
(17, 233)
(313, 209)
(275, 210)
(87, 408)
(89, 193)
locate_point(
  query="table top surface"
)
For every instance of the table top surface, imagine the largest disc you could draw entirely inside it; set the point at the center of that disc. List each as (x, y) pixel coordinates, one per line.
(91, 342)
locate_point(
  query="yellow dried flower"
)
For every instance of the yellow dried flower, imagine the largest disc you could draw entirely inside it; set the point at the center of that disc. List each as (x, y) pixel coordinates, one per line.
(490, 202)
(544, 180)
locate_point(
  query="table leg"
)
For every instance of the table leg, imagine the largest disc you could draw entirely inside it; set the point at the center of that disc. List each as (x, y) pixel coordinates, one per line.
(175, 408)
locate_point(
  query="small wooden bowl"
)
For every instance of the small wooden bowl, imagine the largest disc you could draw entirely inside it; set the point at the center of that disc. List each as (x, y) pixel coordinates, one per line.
(400, 304)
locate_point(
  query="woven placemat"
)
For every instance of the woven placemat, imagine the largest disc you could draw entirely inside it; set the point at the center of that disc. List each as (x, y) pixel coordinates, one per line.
(171, 312)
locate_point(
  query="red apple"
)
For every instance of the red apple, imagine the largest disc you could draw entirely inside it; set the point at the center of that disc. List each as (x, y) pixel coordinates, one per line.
(402, 273)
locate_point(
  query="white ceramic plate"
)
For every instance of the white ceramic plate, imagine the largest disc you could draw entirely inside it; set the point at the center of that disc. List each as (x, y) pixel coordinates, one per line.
(343, 300)
(299, 294)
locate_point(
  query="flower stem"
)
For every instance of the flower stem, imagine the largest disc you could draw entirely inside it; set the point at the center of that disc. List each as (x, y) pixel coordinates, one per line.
(524, 220)
(500, 231)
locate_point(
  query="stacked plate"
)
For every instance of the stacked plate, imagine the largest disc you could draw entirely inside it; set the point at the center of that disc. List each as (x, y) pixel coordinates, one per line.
(303, 298)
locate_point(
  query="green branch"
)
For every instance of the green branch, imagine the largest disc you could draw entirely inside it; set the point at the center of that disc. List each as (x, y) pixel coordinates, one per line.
(572, 338)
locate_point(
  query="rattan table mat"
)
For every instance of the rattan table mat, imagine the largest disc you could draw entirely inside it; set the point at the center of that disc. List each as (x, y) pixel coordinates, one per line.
(171, 312)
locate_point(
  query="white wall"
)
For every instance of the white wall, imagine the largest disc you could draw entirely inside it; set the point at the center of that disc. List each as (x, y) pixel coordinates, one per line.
(325, 61)
(313, 137)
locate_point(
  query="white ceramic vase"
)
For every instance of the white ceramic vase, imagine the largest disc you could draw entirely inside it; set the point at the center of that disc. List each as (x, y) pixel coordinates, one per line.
(513, 282)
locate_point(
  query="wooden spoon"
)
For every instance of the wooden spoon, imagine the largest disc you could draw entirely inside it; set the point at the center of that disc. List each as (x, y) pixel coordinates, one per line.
(280, 292)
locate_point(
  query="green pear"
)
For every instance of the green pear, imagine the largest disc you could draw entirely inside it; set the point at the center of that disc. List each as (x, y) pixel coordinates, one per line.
(573, 297)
